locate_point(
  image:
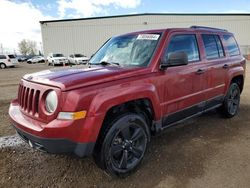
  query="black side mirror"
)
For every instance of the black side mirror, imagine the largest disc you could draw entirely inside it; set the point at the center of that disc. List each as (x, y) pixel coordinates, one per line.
(174, 59)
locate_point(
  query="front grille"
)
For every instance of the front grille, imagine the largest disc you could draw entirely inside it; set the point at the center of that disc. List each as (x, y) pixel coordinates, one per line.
(28, 99)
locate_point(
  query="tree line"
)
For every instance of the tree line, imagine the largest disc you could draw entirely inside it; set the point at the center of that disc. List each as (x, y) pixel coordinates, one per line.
(28, 47)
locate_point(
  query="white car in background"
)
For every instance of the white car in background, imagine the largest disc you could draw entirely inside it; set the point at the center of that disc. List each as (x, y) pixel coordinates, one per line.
(78, 59)
(36, 59)
(8, 61)
(56, 59)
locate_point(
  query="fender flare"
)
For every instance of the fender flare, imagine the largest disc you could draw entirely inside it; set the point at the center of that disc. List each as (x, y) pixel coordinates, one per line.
(105, 100)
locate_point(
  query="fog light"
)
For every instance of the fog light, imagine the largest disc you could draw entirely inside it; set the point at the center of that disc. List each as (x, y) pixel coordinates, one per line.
(72, 115)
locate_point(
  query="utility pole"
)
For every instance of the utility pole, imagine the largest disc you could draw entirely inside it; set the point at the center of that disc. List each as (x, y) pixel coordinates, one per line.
(1, 47)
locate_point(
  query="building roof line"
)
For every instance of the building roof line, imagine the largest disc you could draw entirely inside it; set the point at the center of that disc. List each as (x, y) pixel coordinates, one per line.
(149, 14)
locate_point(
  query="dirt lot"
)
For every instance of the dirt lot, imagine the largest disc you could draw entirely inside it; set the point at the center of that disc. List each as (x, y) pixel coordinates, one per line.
(207, 151)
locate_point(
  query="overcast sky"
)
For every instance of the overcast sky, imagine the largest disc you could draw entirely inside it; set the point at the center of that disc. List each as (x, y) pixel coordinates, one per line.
(19, 19)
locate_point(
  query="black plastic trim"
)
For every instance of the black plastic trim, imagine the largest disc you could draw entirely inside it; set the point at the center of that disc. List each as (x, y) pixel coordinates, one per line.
(57, 146)
(192, 111)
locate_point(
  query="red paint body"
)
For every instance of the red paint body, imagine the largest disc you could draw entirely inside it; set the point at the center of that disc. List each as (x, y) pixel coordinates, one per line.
(98, 89)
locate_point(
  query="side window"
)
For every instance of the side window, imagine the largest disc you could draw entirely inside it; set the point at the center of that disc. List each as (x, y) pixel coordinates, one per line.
(232, 46)
(213, 46)
(2, 57)
(184, 43)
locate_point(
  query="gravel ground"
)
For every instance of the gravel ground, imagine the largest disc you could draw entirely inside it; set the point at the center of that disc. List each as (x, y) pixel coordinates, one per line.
(208, 151)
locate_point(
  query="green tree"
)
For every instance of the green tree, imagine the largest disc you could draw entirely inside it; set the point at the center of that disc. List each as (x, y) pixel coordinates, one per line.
(27, 47)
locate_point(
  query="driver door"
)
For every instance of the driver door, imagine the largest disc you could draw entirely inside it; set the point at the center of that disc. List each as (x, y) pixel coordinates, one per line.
(182, 94)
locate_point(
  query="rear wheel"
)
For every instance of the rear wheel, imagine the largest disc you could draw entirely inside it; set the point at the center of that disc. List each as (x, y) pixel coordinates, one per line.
(232, 100)
(123, 145)
(2, 66)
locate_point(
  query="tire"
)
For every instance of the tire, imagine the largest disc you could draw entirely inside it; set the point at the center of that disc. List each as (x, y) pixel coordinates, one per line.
(122, 145)
(2, 66)
(232, 101)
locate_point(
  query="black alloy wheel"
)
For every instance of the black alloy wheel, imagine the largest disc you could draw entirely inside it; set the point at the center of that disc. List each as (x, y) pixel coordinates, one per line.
(232, 101)
(127, 148)
(124, 145)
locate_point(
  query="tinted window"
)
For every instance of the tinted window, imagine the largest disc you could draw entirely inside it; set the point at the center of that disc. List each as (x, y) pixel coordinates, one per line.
(213, 46)
(232, 46)
(79, 55)
(2, 57)
(184, 43)
(57, 55)
(12, 56)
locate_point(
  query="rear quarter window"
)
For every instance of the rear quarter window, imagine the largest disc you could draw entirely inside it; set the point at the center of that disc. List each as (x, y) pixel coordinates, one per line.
(2, 57)
(231, 45)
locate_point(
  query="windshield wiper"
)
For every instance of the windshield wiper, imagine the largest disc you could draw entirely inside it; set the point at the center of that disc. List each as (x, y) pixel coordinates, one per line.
(105, 63)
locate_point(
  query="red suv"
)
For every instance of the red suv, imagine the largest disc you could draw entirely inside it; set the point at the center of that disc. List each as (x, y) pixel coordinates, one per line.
(136, 85)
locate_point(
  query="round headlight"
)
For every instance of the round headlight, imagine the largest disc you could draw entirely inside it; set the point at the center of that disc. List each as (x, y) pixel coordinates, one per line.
(51, 102)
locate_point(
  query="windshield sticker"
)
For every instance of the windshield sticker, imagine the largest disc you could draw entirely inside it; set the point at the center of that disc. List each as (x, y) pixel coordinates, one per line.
(148, 37)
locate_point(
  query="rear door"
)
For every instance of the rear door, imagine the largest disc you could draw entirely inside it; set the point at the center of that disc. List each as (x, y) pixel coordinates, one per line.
(3, 59)
(217, 64)
(183, 85)
(13, 59)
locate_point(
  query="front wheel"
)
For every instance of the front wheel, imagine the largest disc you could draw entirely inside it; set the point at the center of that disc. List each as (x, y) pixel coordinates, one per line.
(124, 145)
(232, 101)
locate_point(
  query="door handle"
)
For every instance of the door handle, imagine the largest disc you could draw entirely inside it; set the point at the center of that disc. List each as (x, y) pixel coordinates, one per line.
(200, 71)
(226, 66)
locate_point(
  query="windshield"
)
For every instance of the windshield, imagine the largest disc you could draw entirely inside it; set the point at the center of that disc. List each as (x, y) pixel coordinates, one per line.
(57, 55)
(128, 50)
(79, 55)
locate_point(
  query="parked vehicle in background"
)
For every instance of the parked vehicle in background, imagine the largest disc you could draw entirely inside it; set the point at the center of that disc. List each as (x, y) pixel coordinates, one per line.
(21, 58)
(56, 59)
(8, 61)
(137, 85)
(78, 59)
(36, 59)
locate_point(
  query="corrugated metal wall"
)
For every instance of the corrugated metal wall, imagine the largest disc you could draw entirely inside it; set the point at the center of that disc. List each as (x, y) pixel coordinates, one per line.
(86, 36)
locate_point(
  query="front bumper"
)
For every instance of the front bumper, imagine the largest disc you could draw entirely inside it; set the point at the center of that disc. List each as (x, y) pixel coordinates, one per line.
(60, 62)
(56, 146)
(57, 136)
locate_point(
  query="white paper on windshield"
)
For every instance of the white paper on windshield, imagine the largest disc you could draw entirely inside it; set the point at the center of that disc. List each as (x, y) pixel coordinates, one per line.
(148, 37)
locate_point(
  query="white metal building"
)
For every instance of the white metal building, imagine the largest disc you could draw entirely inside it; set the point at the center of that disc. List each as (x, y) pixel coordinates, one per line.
(86, 35)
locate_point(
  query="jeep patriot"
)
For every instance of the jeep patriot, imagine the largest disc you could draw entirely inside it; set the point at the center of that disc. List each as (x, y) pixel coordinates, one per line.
(136, 85)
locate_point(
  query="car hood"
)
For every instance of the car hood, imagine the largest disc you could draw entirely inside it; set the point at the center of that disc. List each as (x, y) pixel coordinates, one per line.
(72, 78)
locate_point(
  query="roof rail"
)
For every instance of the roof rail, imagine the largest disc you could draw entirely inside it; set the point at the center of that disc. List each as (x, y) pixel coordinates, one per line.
(203, 27)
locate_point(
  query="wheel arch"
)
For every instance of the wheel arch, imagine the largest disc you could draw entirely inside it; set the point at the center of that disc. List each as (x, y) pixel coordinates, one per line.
(104, 101)
(238, 79)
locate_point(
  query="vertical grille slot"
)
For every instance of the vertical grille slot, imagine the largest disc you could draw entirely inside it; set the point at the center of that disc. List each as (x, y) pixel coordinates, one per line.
(22, 96)
(36, 101)
(30, 101)
(26, 98)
